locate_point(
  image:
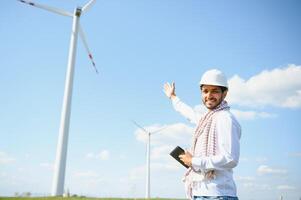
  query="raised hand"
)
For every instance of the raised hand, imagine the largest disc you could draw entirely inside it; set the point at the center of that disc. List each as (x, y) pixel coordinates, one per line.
(169, 90)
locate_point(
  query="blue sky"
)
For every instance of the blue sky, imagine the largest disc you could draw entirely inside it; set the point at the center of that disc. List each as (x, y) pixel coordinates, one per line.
(137, 46)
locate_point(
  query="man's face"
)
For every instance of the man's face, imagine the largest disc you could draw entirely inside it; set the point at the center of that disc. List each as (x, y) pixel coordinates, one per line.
(212, 96)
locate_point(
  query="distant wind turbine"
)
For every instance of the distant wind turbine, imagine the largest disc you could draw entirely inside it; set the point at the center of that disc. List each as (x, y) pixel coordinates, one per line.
(61, 155)
(149, 134)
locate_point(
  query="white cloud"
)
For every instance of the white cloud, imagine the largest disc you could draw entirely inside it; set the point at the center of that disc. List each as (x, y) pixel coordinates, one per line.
(251, 115)
(279, 87)
(161, 152)
(200, 109)
(103, 155)
(3, 174)
(86, 180)
(122, 156)
(243, 159)
(252, 183)
(285, 187)
(264, 169)
(48, 166)
(261, 159)
(163, 143)
(137, 173)
(256, 187)
(28, 156)
(5, 158)
(249, 185)
(21, 169)
(240, 114)
(171, 134)
(86, 174)
(296, 154)
(245, 178)
(90, 155)
(165, 166)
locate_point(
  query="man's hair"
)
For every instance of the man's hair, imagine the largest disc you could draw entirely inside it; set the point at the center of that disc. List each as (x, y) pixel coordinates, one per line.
(221, 87)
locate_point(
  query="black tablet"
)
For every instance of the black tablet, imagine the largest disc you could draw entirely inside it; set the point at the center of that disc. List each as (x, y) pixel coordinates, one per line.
(175, 154)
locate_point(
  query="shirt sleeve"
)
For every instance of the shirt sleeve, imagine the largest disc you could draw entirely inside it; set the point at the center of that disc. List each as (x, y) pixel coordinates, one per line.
(185, 110)
(228, 136)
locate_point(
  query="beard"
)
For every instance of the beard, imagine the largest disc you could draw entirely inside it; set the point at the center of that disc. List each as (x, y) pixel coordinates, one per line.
(212, 103)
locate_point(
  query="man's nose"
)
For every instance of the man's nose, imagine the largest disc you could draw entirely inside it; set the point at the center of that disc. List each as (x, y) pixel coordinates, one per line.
(210, 94)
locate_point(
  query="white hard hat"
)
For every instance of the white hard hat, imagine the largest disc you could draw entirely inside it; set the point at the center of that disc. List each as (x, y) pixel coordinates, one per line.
(214, 77)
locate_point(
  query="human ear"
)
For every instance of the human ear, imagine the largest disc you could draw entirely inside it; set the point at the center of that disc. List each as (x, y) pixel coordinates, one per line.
(225, 94)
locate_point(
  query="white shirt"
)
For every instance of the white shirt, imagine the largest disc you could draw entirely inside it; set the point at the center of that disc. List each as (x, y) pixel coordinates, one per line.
(228, 134)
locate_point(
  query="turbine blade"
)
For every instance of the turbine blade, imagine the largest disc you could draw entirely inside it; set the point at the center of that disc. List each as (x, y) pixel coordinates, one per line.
(48, 8)
(140, 126)
(88, 6)
(160, 129)
(82, 36)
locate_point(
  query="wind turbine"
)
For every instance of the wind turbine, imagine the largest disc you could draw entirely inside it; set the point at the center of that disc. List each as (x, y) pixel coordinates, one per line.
(61, 154)
(149, 134)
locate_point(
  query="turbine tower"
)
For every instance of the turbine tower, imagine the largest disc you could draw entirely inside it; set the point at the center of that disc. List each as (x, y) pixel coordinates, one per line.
(61, 154)
(149, 134)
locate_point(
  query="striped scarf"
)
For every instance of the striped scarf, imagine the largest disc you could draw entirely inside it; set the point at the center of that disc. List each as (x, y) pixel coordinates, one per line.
(208, 143)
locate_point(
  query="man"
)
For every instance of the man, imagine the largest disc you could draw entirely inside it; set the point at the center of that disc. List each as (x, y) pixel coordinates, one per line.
(215, 144)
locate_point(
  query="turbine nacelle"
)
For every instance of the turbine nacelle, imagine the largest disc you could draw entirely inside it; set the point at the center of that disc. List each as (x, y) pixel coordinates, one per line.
(78, 11)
